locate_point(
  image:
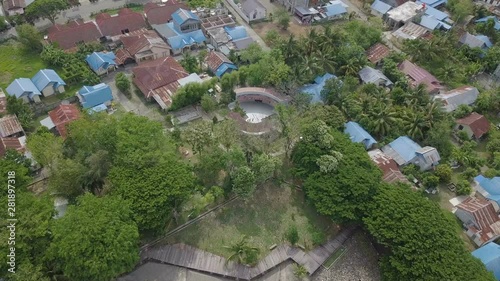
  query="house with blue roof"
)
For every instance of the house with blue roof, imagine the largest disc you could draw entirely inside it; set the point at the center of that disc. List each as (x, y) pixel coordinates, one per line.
(101, 62)
(48, 82)
(476, 41)
(488, 189)
(183, 33)
(23, 88)
(335, 11)
(494, 18)
(314, 90)
(236, 32)
(405, 151)
(219, 64)
(380, 8)
(489, 255)
(358, 135)
(96, 97)
(434, 3)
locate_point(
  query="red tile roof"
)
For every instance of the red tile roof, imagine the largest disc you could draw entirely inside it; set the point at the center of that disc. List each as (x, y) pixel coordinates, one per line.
(62, 115)
(67, 36)
(159, 77)
(162, 13)
(133, 44)
(117, 24)
(10, 143)
(483, 214)
(477, 123)
(418, 76)
(377, 52)
(215, 59)
(10, 125)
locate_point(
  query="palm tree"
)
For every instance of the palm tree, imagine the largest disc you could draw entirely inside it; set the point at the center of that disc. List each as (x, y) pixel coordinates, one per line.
(415, 124)
(241, 251)
(380, 119)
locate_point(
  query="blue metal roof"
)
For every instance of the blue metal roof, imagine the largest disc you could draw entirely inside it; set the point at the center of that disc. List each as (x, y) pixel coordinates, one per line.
(315, 89)
(98, 108)
(335, 10)
(237, 32)
(489, 254)
(180, 16)
(437, 14)
(485, 39)
(495, 19)
(225, 67)
(429, 22)
(46, 76)
(381, 7)
(21, 87)
(405, 147)
(98, 60)
(358, 134)
(491, 186)
(95, 95)
(181, 40)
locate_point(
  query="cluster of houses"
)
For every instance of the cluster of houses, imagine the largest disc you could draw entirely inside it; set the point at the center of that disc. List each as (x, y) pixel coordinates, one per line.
(175, 30)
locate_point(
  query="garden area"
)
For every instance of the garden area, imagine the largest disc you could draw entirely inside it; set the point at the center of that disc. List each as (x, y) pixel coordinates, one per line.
(16, 62)
(266, 219)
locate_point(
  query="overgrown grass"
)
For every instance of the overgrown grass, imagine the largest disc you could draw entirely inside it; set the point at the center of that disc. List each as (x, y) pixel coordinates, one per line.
(134, 8)
(264, 219)
(15, 62)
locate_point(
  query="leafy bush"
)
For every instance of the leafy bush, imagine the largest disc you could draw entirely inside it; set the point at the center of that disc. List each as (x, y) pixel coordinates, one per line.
(123, 84)
(292, 234)
(463, 187)
(462, 136)
(299, 271)
(444, 172)
(430, 181)
(491, 173)
(469, 174)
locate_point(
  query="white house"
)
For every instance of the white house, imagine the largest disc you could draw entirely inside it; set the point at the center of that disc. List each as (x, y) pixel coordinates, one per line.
(254, 10)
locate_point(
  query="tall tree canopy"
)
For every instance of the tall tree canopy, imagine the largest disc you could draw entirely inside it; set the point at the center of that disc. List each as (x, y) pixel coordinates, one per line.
(95, 240)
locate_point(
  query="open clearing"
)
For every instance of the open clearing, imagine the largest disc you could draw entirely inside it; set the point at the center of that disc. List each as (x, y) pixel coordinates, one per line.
(16, 63)
(264, 219)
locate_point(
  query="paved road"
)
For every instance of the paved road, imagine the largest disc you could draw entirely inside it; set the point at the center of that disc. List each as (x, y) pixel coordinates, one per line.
(250, 31)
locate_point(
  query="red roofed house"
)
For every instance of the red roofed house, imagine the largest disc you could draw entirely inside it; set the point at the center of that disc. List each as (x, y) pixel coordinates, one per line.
(69, 35)
(475, 125)
(480, 219)
(17, 144)
(146, 46)
(417, 75)
(59, 117)
(3, 102)
(389, 167)
(377, 53)
(125, 22)
(157, 13)
(219, 64)
(158, 79)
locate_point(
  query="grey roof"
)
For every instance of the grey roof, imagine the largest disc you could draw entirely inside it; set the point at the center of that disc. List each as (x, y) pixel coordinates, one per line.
(219, 34)
(250, 5)
(164, 30)
(471, 41)
(456, 97)
(371, 75)
(242, 44)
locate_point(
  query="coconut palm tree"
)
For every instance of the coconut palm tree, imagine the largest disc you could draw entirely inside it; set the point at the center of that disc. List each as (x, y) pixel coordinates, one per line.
(241, 251)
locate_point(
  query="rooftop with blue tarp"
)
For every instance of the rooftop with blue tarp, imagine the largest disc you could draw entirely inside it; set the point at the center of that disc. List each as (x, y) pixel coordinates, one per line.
(223, 68)
(180, 16)
(46, 76)
(22, 87)
(489, 255)
(434, 3)
(381, 7)
(405, 147)
(237, 32)
(315, 89)
(489, 188)
(98, 60)
(98, 108)
(335, 10)
(437, 14)
(358, 135)
(494, 18)
(91, 96)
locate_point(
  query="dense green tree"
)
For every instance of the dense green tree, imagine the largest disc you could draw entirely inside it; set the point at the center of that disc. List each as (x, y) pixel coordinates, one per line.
(67, 178)
(47, 9)
(29, 36)
(329, 114)
(243, 181)
(190, 63)
(265, 166)
(22, 110)
(227, 133)
(460, 9)
(95, 240)
(286, 118)
(282, 18)
(28, 272)
(3, 24)
(424, 243)
(199, 136)
(208, 103)
(191, 94)
(252, 54)
(444, 172)
(45, 147)
(209, 166)
(439, 138)
(123, 83)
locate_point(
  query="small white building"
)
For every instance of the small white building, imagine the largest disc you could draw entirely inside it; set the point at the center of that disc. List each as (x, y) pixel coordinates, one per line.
(254, 10)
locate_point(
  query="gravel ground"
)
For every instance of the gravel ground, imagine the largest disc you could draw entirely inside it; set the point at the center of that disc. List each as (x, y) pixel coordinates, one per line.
(359, 263)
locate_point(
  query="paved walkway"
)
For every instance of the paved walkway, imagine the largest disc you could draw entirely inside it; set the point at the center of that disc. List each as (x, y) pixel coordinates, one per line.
(193, 258)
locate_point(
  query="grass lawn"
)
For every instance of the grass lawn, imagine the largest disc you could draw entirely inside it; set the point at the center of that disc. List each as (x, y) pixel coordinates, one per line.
(264, 218)
(16, 63)
(115, 11)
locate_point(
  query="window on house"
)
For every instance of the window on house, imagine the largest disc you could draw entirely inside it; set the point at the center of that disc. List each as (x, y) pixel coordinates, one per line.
(125, 31)
(460, 127)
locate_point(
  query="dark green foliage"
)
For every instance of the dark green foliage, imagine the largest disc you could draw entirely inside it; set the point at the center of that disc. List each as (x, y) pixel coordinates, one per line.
(469, 174)
(424, 242)
(430, 181)
(123, 84)
(463, 187)
(191, 94)
(282, 18)
(3, 25)
(29, 36)
(22, 110)
(243, 179)
(242, 253)
(444, 172)
(190, 63)
(95, 240)
(292, 235)
(46, 9)
(462, 111)
(491, 173)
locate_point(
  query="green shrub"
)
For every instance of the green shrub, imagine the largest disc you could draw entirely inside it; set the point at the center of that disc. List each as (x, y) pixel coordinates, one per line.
(463, 187)
(444, 172)
(292, 234)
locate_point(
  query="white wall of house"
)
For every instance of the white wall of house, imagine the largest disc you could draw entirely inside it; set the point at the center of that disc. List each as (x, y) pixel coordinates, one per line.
(257, 14)
(466, 129)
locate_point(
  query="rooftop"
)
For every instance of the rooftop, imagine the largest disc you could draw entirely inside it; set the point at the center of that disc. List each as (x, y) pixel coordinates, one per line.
(21, 87)
(489, 254)
(62, 115)
(10, 125)
(124, 22)
(377, 52)
(315, 89)
(381, 7)
(476, 41)
(217, 21)
(410, 31)
(372, 75)
(405, 12)
(182, 15)
(67, 36)
(177, 39)
(44, 77)
(358, 135)
(92, 96)
(456, 97)
(477, 122)
(157, 13)
(98, 60)
(489, 188)
(419, 76)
